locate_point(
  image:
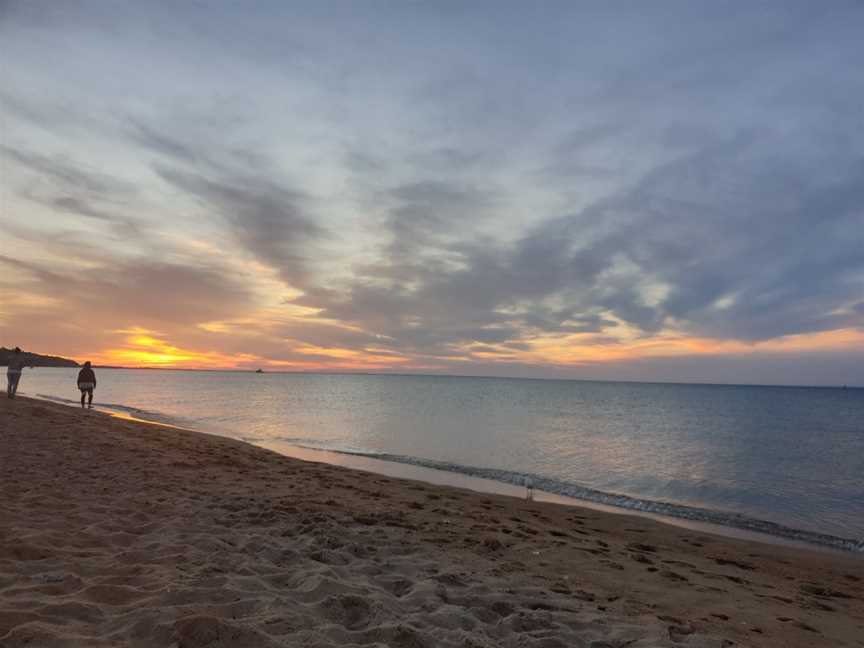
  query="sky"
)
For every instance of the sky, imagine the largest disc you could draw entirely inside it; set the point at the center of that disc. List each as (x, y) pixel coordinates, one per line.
(667, 191)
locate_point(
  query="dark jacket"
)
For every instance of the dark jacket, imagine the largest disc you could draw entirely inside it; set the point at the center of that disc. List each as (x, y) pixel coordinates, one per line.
(86, 375)
(16, 363)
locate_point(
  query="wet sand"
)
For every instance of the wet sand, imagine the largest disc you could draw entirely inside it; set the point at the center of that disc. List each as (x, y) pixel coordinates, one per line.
(119, 533)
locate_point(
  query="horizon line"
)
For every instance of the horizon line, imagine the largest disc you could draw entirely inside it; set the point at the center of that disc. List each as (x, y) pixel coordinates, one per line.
(343, 372)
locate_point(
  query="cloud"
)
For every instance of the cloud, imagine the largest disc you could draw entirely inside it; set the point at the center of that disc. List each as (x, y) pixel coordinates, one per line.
(115, 293)
(67, 186)
(782, 241)
(266, 219)
(150, 138)
(67, 173)
(531, 187)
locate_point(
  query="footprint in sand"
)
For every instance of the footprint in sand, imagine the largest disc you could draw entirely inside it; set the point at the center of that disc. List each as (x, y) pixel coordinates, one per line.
(349, 610)
(398, 587)
(639, 546)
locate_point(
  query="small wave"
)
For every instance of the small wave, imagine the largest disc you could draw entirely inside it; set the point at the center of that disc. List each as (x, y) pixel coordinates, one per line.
(136, 412)
(575, 491)
(323, 445)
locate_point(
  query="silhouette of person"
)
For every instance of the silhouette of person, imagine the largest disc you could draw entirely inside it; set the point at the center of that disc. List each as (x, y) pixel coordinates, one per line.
(13, 372)
(87, 383)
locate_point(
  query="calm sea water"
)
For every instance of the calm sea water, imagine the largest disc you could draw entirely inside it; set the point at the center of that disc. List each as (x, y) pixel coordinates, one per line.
(782, 460)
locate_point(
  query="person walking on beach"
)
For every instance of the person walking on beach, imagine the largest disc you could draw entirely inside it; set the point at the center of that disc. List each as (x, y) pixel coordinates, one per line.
(87, 383)
(13, 372)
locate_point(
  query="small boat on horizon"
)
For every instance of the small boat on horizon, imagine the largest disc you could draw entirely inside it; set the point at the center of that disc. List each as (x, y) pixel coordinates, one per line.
(259, 371)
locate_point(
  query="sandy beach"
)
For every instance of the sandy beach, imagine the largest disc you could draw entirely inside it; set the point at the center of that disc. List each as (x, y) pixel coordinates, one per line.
(119, 533)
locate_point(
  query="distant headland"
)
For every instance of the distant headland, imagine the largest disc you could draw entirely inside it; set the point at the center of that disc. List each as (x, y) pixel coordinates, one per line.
(36, 359)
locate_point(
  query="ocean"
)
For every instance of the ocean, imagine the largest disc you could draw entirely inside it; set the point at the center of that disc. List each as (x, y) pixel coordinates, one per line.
(786, 461)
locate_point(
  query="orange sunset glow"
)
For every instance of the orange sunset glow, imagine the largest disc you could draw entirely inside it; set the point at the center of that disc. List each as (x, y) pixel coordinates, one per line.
(143, 348)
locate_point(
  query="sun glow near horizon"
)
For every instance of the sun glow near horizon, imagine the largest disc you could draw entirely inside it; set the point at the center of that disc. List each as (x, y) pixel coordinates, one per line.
(142, 348)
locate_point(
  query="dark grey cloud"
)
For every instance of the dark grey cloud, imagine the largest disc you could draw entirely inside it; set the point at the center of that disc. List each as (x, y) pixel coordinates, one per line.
(113, 293)
(782, 241)
(78, 206)
(150, 138)
(432, 293)
(67, 173)
(267, 219)
(75, 189)
(427, 217)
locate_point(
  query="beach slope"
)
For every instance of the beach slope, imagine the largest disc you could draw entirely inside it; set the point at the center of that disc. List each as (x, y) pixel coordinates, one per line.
(119, 533)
